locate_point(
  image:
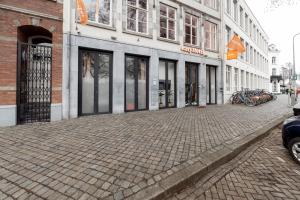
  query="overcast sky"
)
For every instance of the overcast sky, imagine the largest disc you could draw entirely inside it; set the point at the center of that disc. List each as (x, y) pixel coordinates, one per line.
(280, 24)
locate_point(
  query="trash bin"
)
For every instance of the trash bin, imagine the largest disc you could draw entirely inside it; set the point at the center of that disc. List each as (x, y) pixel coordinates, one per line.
(297, 109)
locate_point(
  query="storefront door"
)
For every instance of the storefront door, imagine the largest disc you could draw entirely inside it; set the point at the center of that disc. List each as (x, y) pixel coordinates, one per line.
(136, 83)
(167, 84)
(211, 83)
(95, 85)
(191, 84)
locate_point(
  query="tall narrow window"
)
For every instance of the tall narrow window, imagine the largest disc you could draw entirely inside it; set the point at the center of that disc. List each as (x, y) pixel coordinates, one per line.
(210, 30)
(99, 11)
(246, 23)
(228, 34)
(235, 10)
(236, 79)
(191, 24)
(228, 78)
(211, 3)
(137, 15)
(247, 52)
(167, 22)
(241, 17)
(228, 6)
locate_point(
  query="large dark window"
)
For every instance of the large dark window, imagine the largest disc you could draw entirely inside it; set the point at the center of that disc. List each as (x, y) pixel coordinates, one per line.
(167, 84)
(211, 83)
(136, 86)
(191, 84)
(95, 87)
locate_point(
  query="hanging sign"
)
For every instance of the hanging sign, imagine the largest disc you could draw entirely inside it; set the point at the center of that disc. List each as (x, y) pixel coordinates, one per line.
(232, 54)
(82, 12)
(236, 44)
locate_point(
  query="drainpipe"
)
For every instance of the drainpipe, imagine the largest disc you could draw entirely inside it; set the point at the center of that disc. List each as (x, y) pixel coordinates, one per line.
(222, 47)
(69, 59)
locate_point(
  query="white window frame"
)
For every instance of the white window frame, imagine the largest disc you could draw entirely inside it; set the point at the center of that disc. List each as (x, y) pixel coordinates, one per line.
(228, 78)
(191, 26)
(167, 17)
(137, 17)
(97, 16)
(211, 24)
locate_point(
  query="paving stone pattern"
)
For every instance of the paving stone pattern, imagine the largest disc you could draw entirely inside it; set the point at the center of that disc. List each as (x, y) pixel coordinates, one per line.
(269, 173)
(115, 156)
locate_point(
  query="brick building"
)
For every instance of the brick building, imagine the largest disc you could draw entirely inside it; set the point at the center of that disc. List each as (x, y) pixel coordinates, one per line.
(30, 61)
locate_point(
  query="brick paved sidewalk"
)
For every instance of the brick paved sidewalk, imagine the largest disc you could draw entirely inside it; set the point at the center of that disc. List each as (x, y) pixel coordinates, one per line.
(266, 172)
(115, 156)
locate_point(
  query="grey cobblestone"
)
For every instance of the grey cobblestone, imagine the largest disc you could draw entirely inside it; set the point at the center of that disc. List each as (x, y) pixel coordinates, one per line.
(256, 174)
(109, 155)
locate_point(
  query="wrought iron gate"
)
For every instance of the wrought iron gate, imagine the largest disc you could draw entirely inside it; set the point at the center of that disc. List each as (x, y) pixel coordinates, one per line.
(34, 83)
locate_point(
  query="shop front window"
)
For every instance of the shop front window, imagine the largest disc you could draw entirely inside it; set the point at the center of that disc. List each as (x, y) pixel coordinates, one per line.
(167, 83)
(95, 82)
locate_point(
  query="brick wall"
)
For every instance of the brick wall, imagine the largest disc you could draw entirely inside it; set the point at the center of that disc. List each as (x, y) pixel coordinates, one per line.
(9, 22)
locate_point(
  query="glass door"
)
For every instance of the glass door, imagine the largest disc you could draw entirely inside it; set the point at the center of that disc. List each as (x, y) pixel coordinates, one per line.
(211, 83)
(95, 87)
(136, 83)
(191, 84)
(167, 84)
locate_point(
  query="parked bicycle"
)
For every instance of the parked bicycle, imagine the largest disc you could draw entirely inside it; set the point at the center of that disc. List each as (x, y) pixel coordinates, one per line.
(252, 97)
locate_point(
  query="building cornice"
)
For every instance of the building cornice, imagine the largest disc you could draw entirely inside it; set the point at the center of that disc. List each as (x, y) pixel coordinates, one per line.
(30, 12)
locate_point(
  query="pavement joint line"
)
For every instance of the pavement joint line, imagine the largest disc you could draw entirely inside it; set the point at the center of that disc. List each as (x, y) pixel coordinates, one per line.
(268, 150)
(280, 159)
(195, 172)
(297, 172)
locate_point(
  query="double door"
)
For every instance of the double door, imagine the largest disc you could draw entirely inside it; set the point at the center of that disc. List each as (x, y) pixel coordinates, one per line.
(167, 84)
(191, 84)
(136, 83)
(211, 85)
(95, 82)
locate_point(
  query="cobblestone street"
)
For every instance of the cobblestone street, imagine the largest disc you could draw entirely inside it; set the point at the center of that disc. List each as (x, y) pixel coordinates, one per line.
(115, 156)
(265, 172)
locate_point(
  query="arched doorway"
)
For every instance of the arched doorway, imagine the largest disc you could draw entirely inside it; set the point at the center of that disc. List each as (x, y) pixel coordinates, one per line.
(34, 74)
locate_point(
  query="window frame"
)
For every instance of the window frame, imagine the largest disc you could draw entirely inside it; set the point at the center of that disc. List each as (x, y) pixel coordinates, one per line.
(97, 17)
(168, 19)
(215, 34)
(191, 26)
(137, 8)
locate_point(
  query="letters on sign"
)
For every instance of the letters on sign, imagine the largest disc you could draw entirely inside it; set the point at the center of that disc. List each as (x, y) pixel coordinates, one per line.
(192, 50)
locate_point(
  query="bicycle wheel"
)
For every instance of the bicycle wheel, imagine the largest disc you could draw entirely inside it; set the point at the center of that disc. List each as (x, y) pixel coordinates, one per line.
(249, 102)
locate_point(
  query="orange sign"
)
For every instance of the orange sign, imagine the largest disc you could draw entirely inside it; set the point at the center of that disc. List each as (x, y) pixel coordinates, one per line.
(232, 54)
(192, 50)
(236, 44)
(82, 12)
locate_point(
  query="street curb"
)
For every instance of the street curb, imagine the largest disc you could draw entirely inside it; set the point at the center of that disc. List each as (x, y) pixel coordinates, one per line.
(208, 162)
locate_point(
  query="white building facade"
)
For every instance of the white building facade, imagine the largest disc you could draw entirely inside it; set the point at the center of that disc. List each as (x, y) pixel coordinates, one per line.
(141, 55)
(250, 70)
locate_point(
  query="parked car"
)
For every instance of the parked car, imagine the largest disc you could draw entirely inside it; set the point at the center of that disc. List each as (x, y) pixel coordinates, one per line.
(296, 109)
(291, 136)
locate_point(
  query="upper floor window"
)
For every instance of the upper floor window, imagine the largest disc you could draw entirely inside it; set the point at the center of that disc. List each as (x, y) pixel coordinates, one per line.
(211, 3)
(99, 11)
(228, 35)
(210, 30)
(241, 17)
(274, 60)
(228, 6)
(167, 22)
(137, 15)
(274, 71)
(246, 23)
(235, 10)
(191, 27)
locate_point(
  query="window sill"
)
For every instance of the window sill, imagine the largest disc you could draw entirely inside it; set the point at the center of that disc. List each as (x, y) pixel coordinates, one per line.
(138, 34)
(191, 45)
(108, 27)
(168, 40)
(211, 50)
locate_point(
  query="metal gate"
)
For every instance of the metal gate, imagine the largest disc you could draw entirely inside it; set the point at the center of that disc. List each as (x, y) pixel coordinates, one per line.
(34, 83)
